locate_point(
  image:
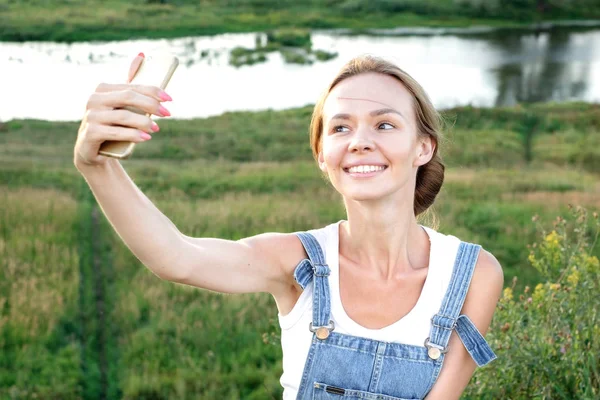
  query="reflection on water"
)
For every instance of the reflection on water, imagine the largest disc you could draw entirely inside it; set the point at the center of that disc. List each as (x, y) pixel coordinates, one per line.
(555, 66)
(477, 67)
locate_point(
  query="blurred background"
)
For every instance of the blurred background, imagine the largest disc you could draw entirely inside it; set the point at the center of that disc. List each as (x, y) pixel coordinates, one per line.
(518, 84)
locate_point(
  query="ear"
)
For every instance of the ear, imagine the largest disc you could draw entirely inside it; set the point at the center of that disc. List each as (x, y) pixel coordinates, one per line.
(425, 148)
(321, 160)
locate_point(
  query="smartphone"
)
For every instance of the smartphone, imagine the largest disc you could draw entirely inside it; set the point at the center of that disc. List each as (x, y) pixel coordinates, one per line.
(155, 70)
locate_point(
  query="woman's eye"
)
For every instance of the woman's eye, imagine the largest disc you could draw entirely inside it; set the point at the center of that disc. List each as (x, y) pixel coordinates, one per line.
(339, 128)
(385, 123)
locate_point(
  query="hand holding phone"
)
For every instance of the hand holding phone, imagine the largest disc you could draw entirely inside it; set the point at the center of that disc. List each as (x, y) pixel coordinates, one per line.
(118, 115)
(155, 70)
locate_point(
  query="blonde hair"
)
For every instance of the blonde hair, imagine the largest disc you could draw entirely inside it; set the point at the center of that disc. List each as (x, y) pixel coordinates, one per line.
(430, 176)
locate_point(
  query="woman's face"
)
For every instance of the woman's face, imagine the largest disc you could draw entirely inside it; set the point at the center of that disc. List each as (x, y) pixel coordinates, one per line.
(370, 147)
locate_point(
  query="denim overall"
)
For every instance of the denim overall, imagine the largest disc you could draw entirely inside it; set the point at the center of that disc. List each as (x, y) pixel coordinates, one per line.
(343, 366)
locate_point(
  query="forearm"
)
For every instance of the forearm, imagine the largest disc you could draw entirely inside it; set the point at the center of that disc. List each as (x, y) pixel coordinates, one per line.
(146, 231)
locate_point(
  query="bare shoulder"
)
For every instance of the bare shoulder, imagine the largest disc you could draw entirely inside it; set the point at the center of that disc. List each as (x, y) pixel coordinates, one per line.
(286, 251)
(484, 291)
(488, 272)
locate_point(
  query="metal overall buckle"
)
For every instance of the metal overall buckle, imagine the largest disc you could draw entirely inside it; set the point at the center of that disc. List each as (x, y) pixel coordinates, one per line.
(433, 350)
(322, 332)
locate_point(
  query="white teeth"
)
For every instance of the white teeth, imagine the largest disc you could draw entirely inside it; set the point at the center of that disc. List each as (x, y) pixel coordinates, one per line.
(365, 168)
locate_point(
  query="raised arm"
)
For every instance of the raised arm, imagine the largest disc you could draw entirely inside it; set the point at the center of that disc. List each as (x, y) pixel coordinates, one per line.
(261, 263)
(256, 264)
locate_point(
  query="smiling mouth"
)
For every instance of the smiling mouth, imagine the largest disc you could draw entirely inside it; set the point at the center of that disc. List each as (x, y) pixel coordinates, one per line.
(365, 172)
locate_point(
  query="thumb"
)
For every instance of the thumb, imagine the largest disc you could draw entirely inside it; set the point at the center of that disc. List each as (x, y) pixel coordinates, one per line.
(135, 65)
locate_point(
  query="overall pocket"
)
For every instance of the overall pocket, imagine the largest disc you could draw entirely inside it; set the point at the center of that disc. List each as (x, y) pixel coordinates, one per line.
(323, 391)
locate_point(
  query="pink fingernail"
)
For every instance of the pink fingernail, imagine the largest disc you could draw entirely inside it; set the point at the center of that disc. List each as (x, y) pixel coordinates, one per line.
(145, 136)
(164, 96)
(154, 127)
(164, 112)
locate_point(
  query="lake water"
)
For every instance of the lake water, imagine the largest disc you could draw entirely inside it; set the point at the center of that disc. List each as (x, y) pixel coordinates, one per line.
(481, 67)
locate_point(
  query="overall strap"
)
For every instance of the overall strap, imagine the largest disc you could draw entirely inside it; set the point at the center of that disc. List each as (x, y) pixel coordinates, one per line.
(315, 268)
(448, 317)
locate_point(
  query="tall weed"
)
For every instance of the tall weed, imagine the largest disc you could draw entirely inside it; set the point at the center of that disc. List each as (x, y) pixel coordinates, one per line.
(546, 338)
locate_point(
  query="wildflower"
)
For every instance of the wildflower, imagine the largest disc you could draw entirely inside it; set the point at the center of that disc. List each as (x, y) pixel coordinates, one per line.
(508, 294)
(505, 327)
(573, 277)
(538, 294)
(552, 239)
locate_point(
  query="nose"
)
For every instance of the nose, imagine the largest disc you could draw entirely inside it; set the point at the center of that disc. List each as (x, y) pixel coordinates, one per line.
(361, 142)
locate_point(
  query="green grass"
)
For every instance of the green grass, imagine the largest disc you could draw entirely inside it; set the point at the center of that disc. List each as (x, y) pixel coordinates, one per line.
(232, 176)
(67, 20)
(39, 319)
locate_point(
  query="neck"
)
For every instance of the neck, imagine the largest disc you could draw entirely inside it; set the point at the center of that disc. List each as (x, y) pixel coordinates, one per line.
(386, 240)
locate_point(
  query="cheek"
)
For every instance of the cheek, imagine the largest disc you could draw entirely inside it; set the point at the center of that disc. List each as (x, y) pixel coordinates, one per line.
(398, 150)
(332, 154)
(400, 154)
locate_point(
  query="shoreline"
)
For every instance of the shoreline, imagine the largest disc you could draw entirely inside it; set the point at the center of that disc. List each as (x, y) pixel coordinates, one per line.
(122, 22)
(539, 27)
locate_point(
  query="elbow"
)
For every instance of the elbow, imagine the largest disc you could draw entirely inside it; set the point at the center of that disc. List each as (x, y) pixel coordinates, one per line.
(175, 273)
(172, 267)
(169, 275)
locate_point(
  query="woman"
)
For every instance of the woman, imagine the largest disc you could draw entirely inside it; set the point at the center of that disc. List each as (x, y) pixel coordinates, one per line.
(372, 307)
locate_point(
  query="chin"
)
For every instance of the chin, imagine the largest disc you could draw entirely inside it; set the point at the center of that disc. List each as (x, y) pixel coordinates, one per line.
(364, 193)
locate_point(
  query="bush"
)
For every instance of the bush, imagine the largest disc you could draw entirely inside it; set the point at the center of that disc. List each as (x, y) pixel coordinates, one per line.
(547, 339)
(292, 56)
(240, 56)
(323, 55)
(290, 38)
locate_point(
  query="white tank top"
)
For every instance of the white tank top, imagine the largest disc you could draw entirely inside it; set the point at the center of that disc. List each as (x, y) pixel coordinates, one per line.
(411, 329)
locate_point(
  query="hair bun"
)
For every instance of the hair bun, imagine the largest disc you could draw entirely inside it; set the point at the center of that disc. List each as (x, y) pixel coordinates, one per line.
(430, 178)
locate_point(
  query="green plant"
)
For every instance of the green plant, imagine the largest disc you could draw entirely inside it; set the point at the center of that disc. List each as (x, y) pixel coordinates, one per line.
(547, 339)
(290, 38)
(292, 56)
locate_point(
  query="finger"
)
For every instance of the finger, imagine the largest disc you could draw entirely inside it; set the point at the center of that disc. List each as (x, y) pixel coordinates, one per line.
(135, 65)
(123, 118)
(102, 133)
(151, 91)
(128, 98)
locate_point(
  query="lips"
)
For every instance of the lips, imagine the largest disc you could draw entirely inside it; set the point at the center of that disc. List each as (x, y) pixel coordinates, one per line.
(347, 168)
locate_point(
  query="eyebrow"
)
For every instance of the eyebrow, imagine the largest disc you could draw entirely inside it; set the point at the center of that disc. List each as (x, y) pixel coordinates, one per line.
(375, 113)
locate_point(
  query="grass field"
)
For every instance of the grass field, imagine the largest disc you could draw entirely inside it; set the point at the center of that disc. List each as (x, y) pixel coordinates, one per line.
(82, 318)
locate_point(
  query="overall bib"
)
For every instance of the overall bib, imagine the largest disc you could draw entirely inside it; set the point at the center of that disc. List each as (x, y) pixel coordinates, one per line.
(340, 366)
